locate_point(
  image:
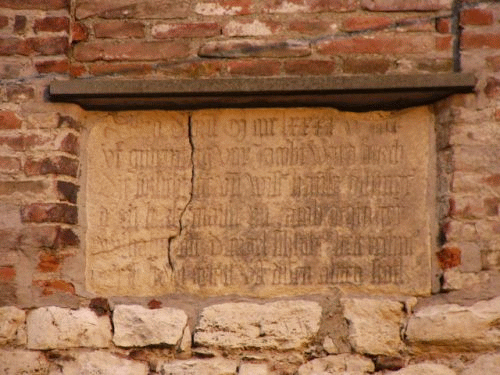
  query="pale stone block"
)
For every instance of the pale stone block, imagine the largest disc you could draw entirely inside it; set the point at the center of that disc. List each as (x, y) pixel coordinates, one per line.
(253, 369)
(102, 363)
(12, 325)
(486, 364)
(374, 325)
(186, 340)
(138, 326)
(334, 364)
(424, 369)
(279, 325)
(57, 328)
(213, 366)
(456, 328)
(19, 362)
(330, 346)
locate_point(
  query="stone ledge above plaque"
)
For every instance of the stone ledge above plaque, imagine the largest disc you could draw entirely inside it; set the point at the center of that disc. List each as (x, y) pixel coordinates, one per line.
(259, 202)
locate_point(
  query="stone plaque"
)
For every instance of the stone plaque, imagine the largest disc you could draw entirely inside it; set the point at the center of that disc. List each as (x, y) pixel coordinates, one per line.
(260, 202)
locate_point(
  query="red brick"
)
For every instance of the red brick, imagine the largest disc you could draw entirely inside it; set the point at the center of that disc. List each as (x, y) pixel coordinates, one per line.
(20, 24)
(476, 16)
(49, 213)
(48, 263)
(77, 70)
(415, 24)
(51, 24)
(49, 46)
(196, 69)
(15, 143)
(70, 144)
(224, 7)
(7, 274)
(254, 68)
(50, 287)
(443, 25)
(405, 5)
(471, 40)
(4, 21)
(366, 23)
(52, 66)
(66, 237)
(492, 89)
(380, 44)
(443, 42)
(186, 30)
(254, 48)
(491, 206)
(35, 4)
(9, 120)
(309, 67)
(368, 65)
(119, 29)
(122, 69)
(100, 306)
(154, 304)
(130, 50)
(132, 9)
(10, 164)
(79, 32)
(67, 191)
(253, 27)
(13, 46)
(494, 62)
(310, 6)
(310, 27)
(59, 165)
(20, 93)
(449, 257)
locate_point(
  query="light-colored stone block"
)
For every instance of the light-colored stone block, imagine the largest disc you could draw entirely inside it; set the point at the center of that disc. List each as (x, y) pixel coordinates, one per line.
(59, 328)
(213, 366)
(488, 364)
(253, 369)
(279, 325)
(138, 326)
(20, 362)
(12, 325)
(374, 325)
(456, 328)
(424, 369)
(335, 364)
(101, 363)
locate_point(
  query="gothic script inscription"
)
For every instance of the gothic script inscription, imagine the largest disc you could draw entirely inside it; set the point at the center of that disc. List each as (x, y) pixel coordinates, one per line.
(260, 202)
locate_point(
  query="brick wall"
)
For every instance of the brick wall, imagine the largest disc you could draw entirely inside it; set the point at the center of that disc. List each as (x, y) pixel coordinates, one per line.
(40, 155)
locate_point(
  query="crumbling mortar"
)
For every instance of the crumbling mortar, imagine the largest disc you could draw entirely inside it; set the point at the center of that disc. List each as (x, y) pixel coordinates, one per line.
(179, 233)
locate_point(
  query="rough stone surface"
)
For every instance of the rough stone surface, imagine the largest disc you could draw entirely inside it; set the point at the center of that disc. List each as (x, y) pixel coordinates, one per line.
(335, 364)
(59, 328)
(101, 363)
(253, 369)
(213, 366)
(12, 325)
(456, 328)
(19, 362)
(280, 325)
(374, 325)
(424, 369)
(485, 364)
(137, 326)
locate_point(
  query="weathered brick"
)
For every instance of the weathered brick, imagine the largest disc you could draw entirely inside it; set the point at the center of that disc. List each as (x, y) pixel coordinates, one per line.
(49, 213)
(443, 25)
(119, 29)
(494, 62)
(7, 274)
(130, 50)
(49, 46)
(50, 287)
(122, 69)
(79, 32)
(185, 30)
(443, 42)
(4, 21)
(77, 70)
(491, 206)
(23, 142)
(9, 164)
(310, 6)
(59, 165)
(13, 46)
(52, 66)
(405, 5)
(66, 237)
(368, 65)
(253, 68)
(311, 27)
(224, 7)
(20, 93)
(195, 69)
(472, 40)
(12, 187)
(379, 44)
(492, 89)
(48, 262)
(476, 16)
(132, 8)
(67, 191)
(35, 4)
(15, 143)
(51, 24)
(449, 257)
(19, 24)
(359, 23)
(250, 28)
(255, 48)
(309, 67)
(39, 236)
(10, 70)
(9, 120)
(70, 144)
(415, 24)
(433, 65)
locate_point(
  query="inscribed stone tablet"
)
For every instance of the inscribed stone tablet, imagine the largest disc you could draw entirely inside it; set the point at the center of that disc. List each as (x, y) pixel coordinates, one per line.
(269, 202)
